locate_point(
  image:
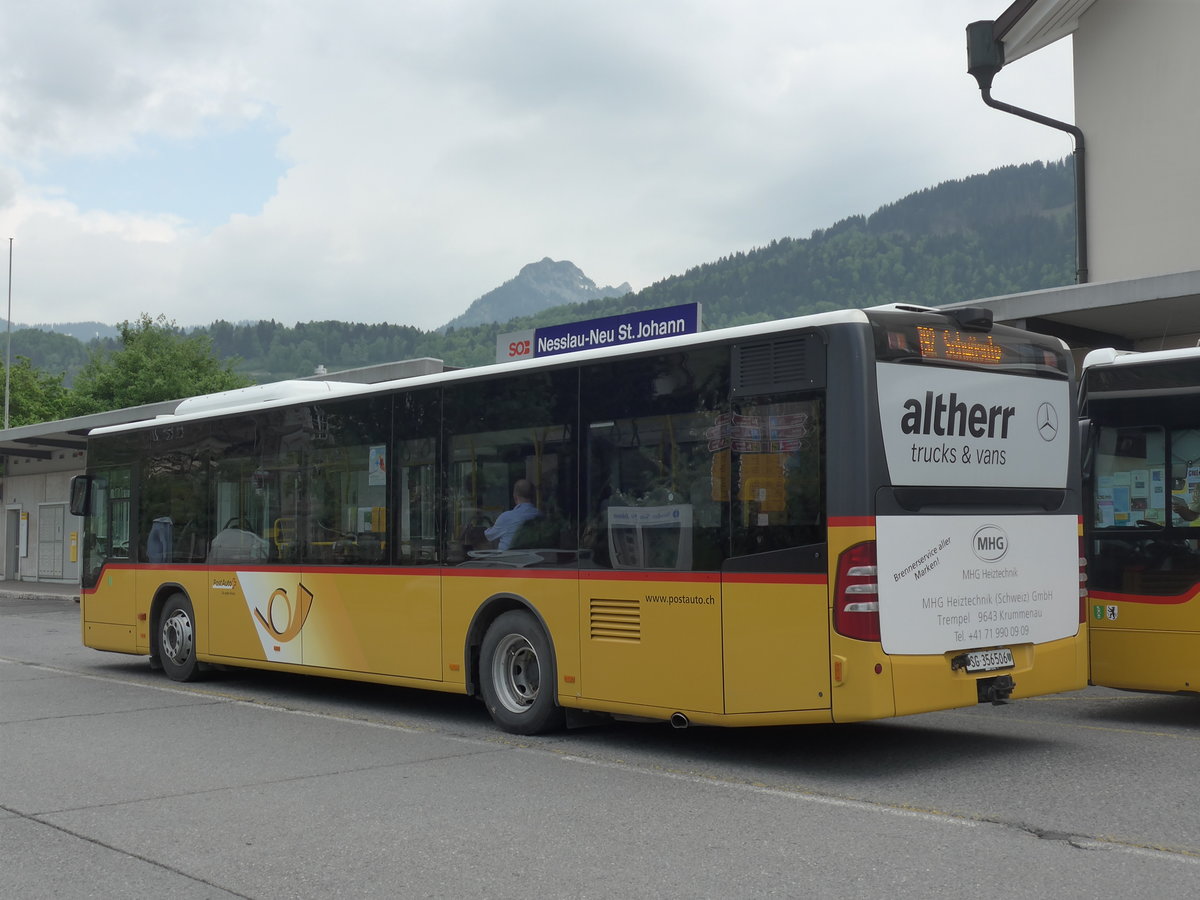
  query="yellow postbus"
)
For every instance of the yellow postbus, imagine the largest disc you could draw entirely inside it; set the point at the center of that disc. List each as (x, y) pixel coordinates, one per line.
(1142, 465)
(838, 517)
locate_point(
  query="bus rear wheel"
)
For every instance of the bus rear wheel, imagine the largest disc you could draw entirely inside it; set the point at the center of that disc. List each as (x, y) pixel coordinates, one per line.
(177, 639)
(517, 675)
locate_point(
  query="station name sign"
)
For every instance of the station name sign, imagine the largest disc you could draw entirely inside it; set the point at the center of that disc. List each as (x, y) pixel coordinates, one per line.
(610, 331)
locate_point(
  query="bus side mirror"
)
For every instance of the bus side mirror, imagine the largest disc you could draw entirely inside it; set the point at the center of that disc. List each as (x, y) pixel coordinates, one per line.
(81, 495)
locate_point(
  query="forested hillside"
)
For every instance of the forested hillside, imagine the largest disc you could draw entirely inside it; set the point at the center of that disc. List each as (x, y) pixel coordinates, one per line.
(1007, 231)
(1011, 230)
(50, 351)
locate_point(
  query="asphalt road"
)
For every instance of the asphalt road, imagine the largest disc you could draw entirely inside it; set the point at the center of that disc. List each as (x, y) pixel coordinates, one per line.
(117, 782)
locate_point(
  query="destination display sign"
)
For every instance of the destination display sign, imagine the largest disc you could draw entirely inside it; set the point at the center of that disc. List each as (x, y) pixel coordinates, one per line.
(609, 331)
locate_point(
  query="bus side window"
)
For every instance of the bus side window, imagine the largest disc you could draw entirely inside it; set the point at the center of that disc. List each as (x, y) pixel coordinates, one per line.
(1144, 491)
(107, 529)
(242, 491)
(1185, 477)
(413, 477)
(255, 484)
(173, 524)
(416, 476)
(657, 487)
(1130, 478)
(777, 467)
(347, 469)
(500, 433)
(119, 523)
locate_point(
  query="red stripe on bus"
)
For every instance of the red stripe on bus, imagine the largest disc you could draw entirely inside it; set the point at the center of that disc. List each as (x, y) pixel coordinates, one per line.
(624, 575)
(1155, 600)
(773, 578)
(489, 572)
(851, 521)
(345, 570)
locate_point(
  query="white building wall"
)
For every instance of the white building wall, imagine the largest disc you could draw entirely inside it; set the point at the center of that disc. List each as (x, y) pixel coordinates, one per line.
(28, 486)
(1137, 71)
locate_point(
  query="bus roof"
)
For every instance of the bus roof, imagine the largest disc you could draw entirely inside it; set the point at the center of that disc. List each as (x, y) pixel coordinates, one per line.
(256, 394)
(287, 393)
(1107, 356)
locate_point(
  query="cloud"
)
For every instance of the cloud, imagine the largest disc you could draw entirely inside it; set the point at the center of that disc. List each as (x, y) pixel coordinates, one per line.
(88, 79)
(425, 151)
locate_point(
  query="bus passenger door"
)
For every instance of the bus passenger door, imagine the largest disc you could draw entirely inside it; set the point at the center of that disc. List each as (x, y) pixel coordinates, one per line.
(108, 611)
(367, 615)
(655, 531)
(775, 583)
(256, 607)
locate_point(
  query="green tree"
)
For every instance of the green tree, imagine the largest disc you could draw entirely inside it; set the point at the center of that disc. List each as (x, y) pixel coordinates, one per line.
(35, 396)
(155, 362)
(49, 351)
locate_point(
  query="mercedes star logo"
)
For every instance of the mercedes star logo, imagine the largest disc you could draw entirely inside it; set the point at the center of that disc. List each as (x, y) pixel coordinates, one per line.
(1047, 422)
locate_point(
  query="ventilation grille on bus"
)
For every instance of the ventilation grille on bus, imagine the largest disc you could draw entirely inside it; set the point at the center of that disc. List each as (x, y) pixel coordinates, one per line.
(793, 363)
(616, 620)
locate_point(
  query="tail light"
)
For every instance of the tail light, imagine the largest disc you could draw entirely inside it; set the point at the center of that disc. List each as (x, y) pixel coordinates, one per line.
(856, 593)
(1083, 592)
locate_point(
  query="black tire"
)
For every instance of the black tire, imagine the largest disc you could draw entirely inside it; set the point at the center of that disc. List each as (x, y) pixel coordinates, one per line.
(177, 639)
(516, 675)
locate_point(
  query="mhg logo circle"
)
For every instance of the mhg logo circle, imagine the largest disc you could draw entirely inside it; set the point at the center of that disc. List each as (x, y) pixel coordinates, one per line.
(990, 543)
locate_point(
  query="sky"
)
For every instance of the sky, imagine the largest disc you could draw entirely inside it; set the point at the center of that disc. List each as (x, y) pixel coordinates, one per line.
(373, 161)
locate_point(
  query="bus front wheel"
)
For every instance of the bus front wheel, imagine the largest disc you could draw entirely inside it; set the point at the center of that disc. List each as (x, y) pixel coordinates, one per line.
(517, 675)
(177, 639)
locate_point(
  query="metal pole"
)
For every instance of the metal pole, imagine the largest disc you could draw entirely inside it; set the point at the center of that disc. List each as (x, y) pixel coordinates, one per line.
(8, 349)
(1081, 241)
(985, 58)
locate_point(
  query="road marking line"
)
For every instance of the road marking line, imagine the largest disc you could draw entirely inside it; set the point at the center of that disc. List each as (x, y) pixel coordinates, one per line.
(942, 818)
(1083, 842)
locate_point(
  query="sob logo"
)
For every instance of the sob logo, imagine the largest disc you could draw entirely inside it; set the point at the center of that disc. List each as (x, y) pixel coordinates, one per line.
(990, 543)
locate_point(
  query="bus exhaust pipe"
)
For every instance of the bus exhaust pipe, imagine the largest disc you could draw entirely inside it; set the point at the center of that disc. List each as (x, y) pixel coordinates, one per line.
(679, 720)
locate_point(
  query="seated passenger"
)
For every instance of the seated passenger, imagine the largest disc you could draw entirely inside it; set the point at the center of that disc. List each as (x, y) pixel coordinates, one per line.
(507, 523)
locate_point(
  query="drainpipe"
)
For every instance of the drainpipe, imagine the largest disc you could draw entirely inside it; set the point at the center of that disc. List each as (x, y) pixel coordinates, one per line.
(985, 57)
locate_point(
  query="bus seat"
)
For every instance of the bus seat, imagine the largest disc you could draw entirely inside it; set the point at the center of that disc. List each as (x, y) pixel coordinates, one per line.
(234, 545)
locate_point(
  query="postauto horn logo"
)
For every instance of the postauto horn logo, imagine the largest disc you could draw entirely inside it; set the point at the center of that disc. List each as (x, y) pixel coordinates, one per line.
(990, 543)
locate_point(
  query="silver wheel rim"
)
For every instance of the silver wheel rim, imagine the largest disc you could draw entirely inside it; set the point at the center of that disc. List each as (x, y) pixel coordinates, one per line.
(177, 637)
(516, 673)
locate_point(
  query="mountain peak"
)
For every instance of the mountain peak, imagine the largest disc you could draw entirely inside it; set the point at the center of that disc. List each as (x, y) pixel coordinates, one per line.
(538, 286)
